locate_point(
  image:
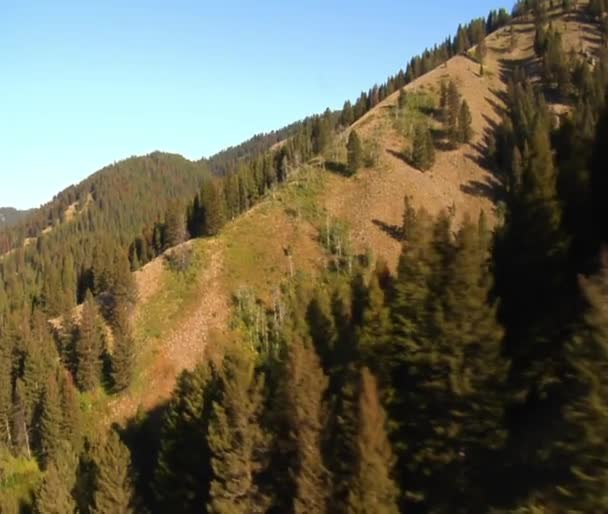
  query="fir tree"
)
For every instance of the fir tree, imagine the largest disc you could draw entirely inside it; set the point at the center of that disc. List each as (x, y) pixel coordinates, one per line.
(50, 423)
(423, 149)
(6, 388)
(465, 131)
(374, 335)
(71, 426)
(599, 179)
(452, 107)
(237, 440)
(213, 208)
(54, 495)
(354, 153)
(123, 354)
(304, 387)
(481, 51)
(183, 471)
(114, 493)
(175, 227)
(372, 488)
(88, 346)
(586, 411)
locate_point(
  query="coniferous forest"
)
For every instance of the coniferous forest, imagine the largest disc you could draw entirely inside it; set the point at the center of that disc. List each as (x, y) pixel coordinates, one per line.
(471, 379)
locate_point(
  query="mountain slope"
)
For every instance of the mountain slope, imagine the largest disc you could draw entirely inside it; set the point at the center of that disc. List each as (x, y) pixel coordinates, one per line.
(10, 216)
(251, 253)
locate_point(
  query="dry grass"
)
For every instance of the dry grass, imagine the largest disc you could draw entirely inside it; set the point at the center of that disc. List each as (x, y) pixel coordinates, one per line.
(253, 251)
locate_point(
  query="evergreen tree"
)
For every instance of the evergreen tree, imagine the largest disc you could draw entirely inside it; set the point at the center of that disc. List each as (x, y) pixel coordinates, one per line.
(71, 426)
(214, 208)
(175, 227)
(586, 385)
(599, 179)
(183, 471)
(374, 334)
(88, 346)
(465, 131)
(50, 423)
(354, 152)
(54, 495)
(481, 51)
(423, 149)
(372, 488)
(6, 389)
(452, 107)
(237, 440)
(114, 492)
(123, 354)
(402, 101)
(304, 387)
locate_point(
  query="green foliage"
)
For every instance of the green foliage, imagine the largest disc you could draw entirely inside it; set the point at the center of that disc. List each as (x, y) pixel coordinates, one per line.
(54, 495)
(304, 386)
(89, 346)
(354, 153)
(450, 357)
(465, 130)
(237, 440)
(372, 488)
(114, 493)
(183, 470)
(50, 423)
(423, 148)
(586, 411)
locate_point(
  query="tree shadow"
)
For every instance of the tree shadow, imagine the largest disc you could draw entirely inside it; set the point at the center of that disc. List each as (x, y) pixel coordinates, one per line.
(399, 155)
(143, 435)
(490, 189)
(394, 231)
(338, 168)
(441, 141)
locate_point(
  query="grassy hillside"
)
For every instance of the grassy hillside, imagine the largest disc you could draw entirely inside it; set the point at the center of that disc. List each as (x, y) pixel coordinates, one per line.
(283, 234)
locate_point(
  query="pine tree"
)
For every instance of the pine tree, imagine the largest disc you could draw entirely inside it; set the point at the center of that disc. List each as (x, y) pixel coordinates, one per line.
(88, 346)
(304, 387)
(114, 492)
(183, 471)
(481, 51)
(372, 488)
(354, 152)
(237, 440)
(402, 102)
(465, 130)
(175, 227)
(530, 252)
(322, 327)
(123, 354)
(586, 412)
(6, 389)
(50, 423)
(347, 116)
(599, 179)
(54, 495)
(423, 149)
(374, 334)
(71, 426)
(214, 208)
(452, 106)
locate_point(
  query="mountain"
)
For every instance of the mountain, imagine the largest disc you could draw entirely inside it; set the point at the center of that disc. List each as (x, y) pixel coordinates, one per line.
(10, 216)
(395, 307)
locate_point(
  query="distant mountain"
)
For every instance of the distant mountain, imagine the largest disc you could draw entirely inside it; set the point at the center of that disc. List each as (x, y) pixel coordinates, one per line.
(10, 216)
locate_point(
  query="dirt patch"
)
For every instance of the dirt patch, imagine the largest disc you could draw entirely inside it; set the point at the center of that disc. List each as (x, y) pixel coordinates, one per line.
(185, 345)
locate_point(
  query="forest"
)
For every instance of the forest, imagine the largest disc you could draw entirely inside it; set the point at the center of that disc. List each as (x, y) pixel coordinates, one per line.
(471, 379)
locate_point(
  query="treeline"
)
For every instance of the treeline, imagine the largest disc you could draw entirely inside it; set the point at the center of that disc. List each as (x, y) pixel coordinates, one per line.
(472, 380)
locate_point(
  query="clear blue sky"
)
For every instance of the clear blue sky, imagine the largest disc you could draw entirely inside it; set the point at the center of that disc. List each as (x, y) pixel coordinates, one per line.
(86, 83)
